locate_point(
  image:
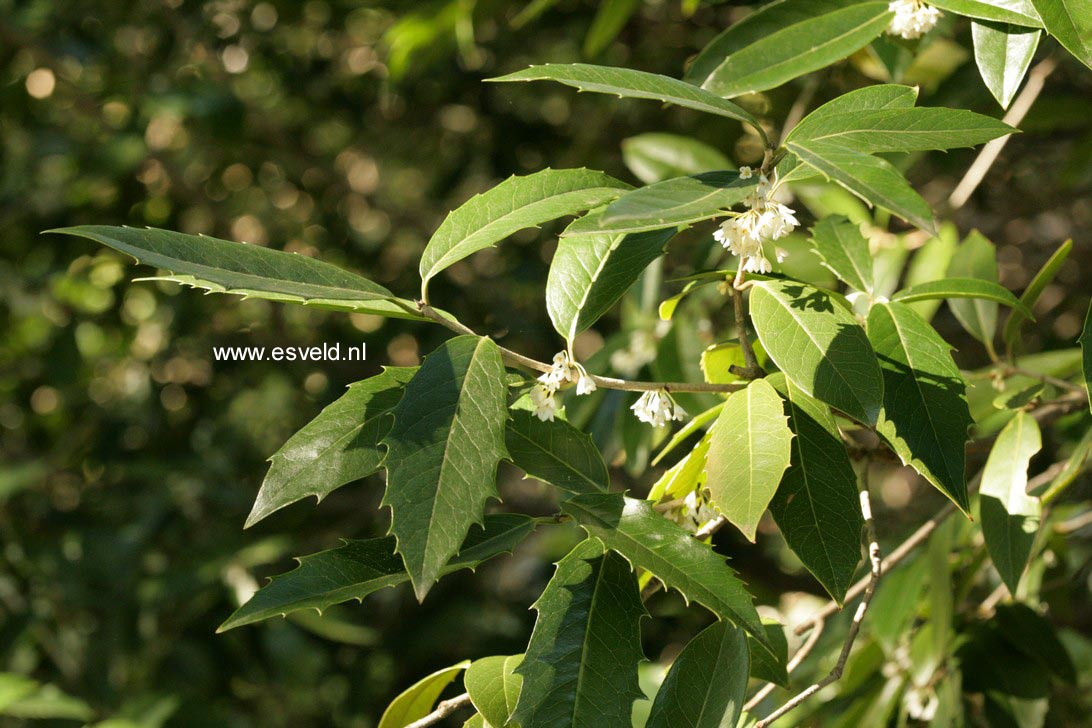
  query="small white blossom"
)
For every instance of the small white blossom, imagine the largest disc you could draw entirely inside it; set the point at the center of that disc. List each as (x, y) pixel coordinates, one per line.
(913, 18)
(922, 703)
(695, 512)
(544, 401)
(657, 408)
(766, 219)
(565, 369)
(746, 173)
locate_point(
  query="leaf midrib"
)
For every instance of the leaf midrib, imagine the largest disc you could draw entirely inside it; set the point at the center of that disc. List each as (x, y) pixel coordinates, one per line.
(557, 459)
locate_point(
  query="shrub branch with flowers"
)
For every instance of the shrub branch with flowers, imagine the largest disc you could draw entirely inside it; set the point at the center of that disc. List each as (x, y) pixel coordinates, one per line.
(811, 383)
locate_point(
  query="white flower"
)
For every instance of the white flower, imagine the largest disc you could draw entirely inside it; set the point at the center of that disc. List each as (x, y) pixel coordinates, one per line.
(913, 18)
(584, 383)
(544, 401)
(922, 703)
(746, 173)
(766, 219)
(657, 408)
(565, 369)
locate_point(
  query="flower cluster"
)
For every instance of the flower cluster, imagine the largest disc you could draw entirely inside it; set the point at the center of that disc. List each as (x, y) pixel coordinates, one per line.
(695, 511)
(766, 220)
(657, 408)
(913, 18)
(564, 369)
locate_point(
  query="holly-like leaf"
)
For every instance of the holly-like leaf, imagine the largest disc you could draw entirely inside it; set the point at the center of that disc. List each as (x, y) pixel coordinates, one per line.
(844, 250)
(707, 684)
(1003, 53)
(902, 130)
(580, 668)
(784, 40)
(590, 273)
(816, 507)
(416, 701)
(511, 206)
(1010, 517)
(494, 687)
(657, 156)
(957, 288)
(925, 416)
(1020, 12)
(555, 452)
(360, 567)
(442, 453)
(222, 266)
(819, 345)
(668, 204)
(1035, 289)
(629, 83)
(669, 552)
(337, 447)
(976, 258)
(748, 453)
(1070, 21)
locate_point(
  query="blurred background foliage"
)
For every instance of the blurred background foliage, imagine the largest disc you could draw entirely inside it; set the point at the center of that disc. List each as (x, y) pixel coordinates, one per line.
(344, 130)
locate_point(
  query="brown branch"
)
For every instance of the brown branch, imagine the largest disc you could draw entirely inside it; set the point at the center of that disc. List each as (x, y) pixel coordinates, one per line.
(443, 710)
(751, 369)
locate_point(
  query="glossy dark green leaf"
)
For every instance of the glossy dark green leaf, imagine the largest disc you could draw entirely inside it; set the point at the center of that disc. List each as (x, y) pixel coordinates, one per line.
(769, 664)
(901, 129)
(819, 345)
(844, 250)
(555, 452)
(925, 415)
(1003, 53)
(707, 684)
(416, 701)
(657, 156)
(1035, 289)
(1070, 21)
(360, 567)
(442, 453)
(494, 687)
(580, 668)
(976, 258)
(337, 447)
(1020, 12)
(958, 288)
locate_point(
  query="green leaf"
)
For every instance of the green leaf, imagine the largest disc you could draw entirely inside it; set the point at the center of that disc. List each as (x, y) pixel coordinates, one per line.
(901, 130)
(707, 684)
(819, 345)
(1086, 353)
(958, 288)
(817, 507)
(668, 204)
(608, 22)
(784, 40)
(844, 250)
(1010, 517)
(1003, 53)
(656, 156)
(221, 266)
(442, 453)
(647, 540)
(360, 567)
(1020, 12)
(1035, 289)
(1070, 21)
(590, 273)
(976, 258)
(925, 416)
(494, 687)
(555, 452)
(337, 447)
(1032, 634)
(628, 83)
(769, 664)
(869, 98)
(26, 699)
(476, 721)
(929, 263)
(872, 179)
(511, 206)
(417, 700)
(580, 669)
(748, 453)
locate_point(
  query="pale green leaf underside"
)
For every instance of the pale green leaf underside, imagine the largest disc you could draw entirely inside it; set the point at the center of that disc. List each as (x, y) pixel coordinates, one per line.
(1003, 53)
(656, 156)
(748, 453)
(844, 250)
(442, 453)
(493, 687)
(957, 288)
(555, 452)
(1070, 21)
(976, 258)
(416, 702)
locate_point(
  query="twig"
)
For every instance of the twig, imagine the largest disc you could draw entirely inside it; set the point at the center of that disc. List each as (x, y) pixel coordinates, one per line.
(1044, 378)
(804, 651)
(876, 564)
(981, 166)
(989, 605)
(443, 710)
(749, 361)
(710, 528)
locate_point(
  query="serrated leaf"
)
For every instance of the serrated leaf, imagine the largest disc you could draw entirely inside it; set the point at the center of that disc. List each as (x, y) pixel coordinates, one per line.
(869, 98)
(873, 179)
(668, 204)
(959, 288)
(976, 258)
(1035, 289)
(1086, 353)
(1070, 21)
(494, 687)
(748, 453)
(925, 416)
(819, 345)
(337, 447)
(657, 156)
(629, 83)
(707, 684)
(416, 701)
(1003, 53)
(649, 541)
(580, 668)
(442, 453)
(784, 40)
(222, 266)
(360, 567)
(1010, 517)
(1020, 12)
(590, 273)
(555, 452)
(901, 130)
(816, 507)
(844, 251)
(511, 206)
